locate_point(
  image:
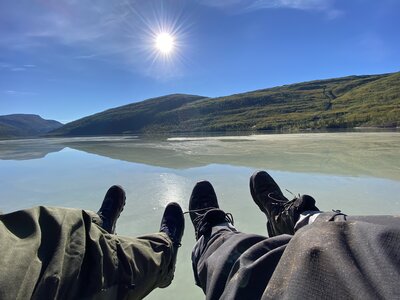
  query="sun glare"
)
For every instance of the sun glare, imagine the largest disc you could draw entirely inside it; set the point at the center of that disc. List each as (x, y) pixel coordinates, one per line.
(165, 43)
(163, 40)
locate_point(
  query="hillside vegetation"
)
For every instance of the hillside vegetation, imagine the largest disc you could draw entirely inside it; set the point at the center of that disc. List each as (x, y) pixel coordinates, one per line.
(346, 102)
(25, 125)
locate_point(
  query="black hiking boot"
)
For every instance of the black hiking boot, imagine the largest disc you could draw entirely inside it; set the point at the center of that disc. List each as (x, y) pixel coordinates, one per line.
(204, 209)
(173, 223)
(111, 208)
(281, 213)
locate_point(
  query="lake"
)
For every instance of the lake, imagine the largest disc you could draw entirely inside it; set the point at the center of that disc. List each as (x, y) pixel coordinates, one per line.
(357, 172)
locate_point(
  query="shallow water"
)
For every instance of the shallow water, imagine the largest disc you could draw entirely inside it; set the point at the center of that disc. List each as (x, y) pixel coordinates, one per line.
(358, 173)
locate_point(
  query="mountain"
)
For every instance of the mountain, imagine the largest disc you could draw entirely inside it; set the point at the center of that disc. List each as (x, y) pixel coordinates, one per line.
(25, 125)
(347, 102)
(131, 118)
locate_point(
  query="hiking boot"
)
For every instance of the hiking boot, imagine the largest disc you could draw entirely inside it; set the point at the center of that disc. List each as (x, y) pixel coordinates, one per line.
(173, 223)
(111, 208)
(204, 209)
(281, 213)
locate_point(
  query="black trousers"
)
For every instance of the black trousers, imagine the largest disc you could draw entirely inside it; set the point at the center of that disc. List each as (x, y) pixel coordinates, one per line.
(335, 257)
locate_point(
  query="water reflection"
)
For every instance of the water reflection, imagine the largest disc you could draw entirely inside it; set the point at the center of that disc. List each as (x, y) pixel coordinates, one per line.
(354, 154)
(28, 149)
(157, 171)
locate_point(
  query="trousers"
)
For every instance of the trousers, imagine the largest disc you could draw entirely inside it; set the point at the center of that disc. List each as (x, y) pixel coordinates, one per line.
(335, 257)
(60, 253)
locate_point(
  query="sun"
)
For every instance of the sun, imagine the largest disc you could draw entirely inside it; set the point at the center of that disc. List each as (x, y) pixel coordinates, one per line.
(165, 43)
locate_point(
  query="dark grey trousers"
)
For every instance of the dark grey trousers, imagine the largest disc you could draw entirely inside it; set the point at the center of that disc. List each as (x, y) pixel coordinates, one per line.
(335, 257)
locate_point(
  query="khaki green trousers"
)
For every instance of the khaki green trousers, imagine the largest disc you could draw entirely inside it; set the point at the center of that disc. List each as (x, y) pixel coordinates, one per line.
(60, 253)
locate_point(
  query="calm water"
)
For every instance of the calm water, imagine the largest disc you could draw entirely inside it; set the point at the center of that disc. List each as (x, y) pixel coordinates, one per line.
(358, 173)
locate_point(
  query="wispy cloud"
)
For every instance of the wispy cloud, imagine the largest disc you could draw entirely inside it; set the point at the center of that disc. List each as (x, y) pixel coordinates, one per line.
(245, 6)
(18, 69)
(15, 68)
(18, 93)
(225, 3)
(66, 22)
(114, 31)
(295, 4)
(4, 65)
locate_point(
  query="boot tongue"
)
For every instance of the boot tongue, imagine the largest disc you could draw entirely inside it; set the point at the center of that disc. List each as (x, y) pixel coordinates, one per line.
(305, 203)
(214, 216)
(211, 218)
(293, 210)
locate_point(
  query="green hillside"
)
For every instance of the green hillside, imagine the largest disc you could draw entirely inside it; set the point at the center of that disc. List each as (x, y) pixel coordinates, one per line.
(334, 103)
(131, 118)
(7, 131)
(25, 125)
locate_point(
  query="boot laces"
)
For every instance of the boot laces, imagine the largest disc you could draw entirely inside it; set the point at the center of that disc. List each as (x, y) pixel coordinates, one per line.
(286, 204)
(202, 225)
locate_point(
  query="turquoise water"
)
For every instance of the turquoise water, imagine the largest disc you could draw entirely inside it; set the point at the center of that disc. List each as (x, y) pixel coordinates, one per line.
(358, 173)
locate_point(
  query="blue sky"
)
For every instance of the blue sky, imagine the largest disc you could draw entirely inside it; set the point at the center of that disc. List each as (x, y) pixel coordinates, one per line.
(66, 59)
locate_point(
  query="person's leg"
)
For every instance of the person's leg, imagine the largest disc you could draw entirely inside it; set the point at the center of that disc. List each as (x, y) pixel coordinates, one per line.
(139, 265)
(227, 263)
(117, 267)
(358, 254)
(307, 218)
(143, 263)
(65, 253)
(329, 249)
(38, 247)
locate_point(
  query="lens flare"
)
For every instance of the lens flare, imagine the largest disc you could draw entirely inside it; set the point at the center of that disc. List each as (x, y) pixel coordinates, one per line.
(160, 37)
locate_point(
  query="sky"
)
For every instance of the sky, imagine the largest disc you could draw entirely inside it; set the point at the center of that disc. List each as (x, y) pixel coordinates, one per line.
(67, 59)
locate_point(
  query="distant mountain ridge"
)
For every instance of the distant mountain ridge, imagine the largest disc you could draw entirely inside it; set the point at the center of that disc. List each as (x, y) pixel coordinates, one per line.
(25, 125)
(347, 102)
